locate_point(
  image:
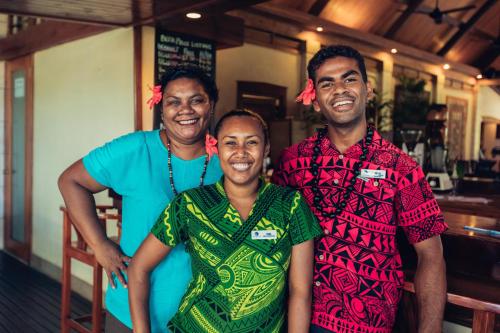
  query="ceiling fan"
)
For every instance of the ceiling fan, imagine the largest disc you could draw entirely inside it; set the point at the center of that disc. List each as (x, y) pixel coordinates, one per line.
(437, 15)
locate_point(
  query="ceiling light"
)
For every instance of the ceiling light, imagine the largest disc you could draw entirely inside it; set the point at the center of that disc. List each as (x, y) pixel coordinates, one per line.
(394, 51)
(479, 76)
(193, 15)
(446, 66)
(319, 29)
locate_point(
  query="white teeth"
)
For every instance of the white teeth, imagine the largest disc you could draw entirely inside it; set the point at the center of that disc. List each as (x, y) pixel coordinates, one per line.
(241, 166)
(340, 103)
(188, 122)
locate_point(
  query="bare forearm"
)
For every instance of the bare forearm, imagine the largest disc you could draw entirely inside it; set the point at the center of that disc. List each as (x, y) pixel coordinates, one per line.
(430, 287)
(300, 286)
(81, 206)
(139, 299)
(77, 188)
(299, 313)
(147, 257)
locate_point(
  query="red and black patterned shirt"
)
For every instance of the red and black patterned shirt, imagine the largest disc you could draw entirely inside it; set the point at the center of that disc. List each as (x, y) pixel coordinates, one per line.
(357, 271)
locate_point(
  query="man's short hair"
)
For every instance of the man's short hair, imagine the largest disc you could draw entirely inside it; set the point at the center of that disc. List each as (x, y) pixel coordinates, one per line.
(334, 51)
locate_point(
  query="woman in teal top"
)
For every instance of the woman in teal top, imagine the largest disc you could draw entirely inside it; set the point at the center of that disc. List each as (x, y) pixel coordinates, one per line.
(250, 242)
(148, 169)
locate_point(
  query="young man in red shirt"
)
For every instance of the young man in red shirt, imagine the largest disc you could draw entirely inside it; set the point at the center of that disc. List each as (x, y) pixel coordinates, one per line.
(362, 187)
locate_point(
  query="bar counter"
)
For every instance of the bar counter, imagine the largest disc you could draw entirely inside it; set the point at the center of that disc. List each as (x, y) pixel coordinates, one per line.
(472, 258)
(487, 205)
(457, 223)
(472, 266)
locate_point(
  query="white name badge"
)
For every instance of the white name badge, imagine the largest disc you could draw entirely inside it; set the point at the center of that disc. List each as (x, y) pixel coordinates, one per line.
(263, 234)
(376, 174)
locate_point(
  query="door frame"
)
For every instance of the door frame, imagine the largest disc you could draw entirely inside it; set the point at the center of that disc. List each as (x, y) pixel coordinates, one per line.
(20, 250)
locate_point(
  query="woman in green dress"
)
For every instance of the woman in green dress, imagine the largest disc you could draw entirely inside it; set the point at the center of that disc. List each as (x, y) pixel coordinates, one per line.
(251, 245)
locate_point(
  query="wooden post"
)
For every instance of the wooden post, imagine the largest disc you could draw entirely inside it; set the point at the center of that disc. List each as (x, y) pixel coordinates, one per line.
(66, 274)
(483, 322)
(97, 298)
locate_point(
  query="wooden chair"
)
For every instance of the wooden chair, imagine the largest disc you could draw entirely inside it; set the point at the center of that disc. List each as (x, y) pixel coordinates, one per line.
(79, 250)
(484, 312)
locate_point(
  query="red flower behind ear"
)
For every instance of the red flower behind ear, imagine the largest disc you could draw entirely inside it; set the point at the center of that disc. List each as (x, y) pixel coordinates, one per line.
(308, 94)
(210, 145)
(156, 97)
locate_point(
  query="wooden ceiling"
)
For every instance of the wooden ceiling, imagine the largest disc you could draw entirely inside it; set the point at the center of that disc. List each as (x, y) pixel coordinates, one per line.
(117, 12)
(471, 37)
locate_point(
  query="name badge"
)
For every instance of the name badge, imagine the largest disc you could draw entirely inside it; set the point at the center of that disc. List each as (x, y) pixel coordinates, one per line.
(376, 174)
(263, 234)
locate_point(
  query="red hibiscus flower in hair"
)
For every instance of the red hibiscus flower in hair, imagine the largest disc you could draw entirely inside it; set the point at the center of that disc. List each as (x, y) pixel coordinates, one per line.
(308, 94)
(156, 97)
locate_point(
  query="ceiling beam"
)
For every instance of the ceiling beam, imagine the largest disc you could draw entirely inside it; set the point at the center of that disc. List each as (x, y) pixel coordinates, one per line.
(317, 7)
(44, 35)
(62, 18)
(465, 27)
(489, 55)
(491, 82)
(410, 9)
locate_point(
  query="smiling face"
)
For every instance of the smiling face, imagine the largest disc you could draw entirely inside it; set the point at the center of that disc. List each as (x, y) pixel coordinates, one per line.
(242, 149)
(186, 110)
(341, 93)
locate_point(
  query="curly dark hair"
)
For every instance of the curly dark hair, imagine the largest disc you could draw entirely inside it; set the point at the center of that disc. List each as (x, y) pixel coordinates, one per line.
(334, 51)
(242, 113)
(191, 72)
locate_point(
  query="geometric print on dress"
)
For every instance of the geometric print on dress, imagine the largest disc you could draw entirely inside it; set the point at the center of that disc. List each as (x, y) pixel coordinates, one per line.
(239, 283)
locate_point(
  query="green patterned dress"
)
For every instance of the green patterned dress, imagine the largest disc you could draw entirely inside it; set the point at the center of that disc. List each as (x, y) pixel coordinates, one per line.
(239, 267)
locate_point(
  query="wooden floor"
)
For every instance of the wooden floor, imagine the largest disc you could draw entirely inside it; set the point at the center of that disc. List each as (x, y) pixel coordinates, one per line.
(31, 301)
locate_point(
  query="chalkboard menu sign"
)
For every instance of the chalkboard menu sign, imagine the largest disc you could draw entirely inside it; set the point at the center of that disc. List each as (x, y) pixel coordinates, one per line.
(173, 49)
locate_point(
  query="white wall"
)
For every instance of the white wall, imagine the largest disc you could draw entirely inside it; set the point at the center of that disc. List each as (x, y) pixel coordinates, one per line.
(3, 25)
(83, 97)
(256, 63)
(488, 103)
(488, 106)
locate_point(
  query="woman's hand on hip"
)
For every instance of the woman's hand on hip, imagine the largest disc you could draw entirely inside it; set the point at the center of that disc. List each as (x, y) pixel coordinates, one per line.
(109, 255)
